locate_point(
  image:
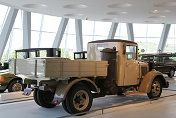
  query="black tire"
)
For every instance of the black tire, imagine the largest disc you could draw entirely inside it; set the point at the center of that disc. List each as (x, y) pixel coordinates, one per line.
(35, 96)
(120, 92)
(15, 85)
(64, 105)
(72, 99)
(45, 98)
(156, 89)
(171, 73)
(2, 91)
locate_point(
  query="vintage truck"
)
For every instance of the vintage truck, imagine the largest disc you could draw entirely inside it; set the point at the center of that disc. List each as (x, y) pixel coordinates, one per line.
(14, 83)
(111, 68)
(162, 62)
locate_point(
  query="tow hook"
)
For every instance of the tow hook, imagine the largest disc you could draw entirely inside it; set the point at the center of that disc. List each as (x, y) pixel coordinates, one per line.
(27, 91)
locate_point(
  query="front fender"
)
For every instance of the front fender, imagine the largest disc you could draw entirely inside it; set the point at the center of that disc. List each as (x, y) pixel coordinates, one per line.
(63, 88)
(146, 83)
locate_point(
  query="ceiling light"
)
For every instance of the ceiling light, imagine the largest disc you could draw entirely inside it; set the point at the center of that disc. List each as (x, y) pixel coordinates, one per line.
(34, 5)
(123, 12)
(166, 4)
(166, 11)
(73, 15)
(155, 11)
(157, 17)
(113, 13)
(120, 5)
(75, 6)
(106, 19)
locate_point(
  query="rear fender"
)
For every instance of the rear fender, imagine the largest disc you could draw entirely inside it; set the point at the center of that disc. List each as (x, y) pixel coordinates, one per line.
(63, 88)
(146, 83)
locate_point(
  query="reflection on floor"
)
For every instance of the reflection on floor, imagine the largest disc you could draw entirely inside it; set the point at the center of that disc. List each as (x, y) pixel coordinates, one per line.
(160, 109)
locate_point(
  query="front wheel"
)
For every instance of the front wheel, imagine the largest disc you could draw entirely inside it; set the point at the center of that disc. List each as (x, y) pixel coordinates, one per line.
(35, 94)
(171, 73)
(79, 99)
(15, 85)
(156, 89)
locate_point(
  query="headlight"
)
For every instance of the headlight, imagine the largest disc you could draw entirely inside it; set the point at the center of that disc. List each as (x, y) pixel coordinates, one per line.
(2, 79)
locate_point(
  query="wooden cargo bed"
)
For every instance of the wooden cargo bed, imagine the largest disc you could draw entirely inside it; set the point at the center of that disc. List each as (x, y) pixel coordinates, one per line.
(58, 67)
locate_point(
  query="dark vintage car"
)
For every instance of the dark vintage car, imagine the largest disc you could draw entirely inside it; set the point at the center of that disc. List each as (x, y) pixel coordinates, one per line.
(80, 55)
(14, 83)
(163, 62)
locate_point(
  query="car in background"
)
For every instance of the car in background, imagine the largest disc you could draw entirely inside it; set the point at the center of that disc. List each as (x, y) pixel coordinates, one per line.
(14, 83)
(80, 55)
(163, 62)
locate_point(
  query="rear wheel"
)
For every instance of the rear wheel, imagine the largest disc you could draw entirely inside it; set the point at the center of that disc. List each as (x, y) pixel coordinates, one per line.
(171, 73)
(156, 89)
(45, 98)
(79, 99)
(35, 96)
(15, 85)
(64, 105)
(2, 91)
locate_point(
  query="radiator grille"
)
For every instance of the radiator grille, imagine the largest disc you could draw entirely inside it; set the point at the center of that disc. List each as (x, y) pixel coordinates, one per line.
(143, 70)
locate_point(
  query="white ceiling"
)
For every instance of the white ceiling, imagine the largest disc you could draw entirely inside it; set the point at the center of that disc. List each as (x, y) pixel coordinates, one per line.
(131, 11)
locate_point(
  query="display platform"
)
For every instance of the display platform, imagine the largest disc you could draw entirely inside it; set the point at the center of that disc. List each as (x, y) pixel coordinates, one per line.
(106, 105)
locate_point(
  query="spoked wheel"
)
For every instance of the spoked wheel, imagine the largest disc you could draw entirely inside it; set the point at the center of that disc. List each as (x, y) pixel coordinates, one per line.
(156, 89)
(79, 99)
(45, 98)
(15, 86)
(171, 73)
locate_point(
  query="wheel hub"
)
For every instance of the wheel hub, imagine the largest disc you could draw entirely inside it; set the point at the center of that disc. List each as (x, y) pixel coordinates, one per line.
(156, 88)
(81, 100)
(17, 87)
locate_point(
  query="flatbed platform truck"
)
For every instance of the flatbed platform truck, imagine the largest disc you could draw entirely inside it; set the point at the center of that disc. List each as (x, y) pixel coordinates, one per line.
(111, 68)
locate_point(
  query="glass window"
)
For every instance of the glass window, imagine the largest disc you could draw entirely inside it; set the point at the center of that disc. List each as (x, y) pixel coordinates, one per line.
(121, 32)
(3, 14)
(102, 29)
(88, 27)
(18, 20)
(47, 40)
(36, 21)
(171, 40)
(51, 23)
(147, 36)
(131, 52)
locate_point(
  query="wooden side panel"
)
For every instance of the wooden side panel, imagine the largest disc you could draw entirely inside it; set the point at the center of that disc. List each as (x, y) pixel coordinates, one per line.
(59, 67)
(75, 68)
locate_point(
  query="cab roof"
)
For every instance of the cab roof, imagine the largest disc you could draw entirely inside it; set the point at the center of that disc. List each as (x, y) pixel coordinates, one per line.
(113, 40)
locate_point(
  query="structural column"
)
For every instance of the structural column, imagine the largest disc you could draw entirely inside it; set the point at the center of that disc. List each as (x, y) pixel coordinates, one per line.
(79, 39)
(40, 34)
(26, 30)
(112, 30)
(6, 29)
(163, 39)
(60, 33)
(130, 31)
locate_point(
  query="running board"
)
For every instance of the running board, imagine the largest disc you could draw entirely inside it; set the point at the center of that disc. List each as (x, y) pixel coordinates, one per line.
(133, 93)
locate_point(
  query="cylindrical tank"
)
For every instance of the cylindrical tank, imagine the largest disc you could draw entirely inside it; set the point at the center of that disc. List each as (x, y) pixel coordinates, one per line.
(110, 56)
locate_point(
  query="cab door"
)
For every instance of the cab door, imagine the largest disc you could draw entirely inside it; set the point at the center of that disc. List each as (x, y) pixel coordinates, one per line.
(131, 66)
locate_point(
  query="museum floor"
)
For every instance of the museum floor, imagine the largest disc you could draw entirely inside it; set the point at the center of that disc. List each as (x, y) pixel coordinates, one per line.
(134, 106)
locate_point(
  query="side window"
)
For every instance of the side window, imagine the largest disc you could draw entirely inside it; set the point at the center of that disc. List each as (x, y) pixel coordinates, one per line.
(131, 52)
(174, 59)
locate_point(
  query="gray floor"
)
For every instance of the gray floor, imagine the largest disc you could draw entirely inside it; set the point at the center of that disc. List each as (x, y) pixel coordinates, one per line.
(161, 109)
